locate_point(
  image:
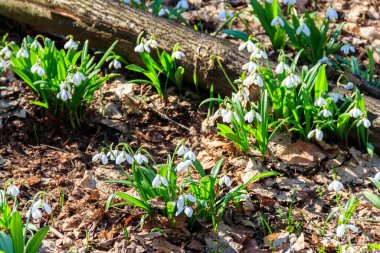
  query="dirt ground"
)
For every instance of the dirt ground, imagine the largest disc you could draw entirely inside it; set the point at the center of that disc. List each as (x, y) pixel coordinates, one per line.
(40, 152)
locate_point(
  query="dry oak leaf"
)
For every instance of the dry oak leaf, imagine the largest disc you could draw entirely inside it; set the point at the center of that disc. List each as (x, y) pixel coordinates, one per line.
(302, 154)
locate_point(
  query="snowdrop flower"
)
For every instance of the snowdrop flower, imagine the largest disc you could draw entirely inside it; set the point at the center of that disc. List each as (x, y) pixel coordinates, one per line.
(303, 29)
(140, 48)
(227, 117)
(249, 116)
(3, 63)
(225, 14)
(64, 95)
(336, 186)
(182, 150)
(317, 133)
(100, 156)
(35, 209)
(140, 158)
(122, 157)
(249, 45)
(71, 44)
(114, 64)
(346, 49)
(182, 4)
(225, 180)
(250, 67)
(325, 60)
(13, 190)
(22, 52)
(65, 86)
(269, 1)
(258, 116)
(36, 68)
(377, 176)
(184, 165)
(355, 113)
(259, 54)
(365, 122)
(258, 80)
(36, 44)
(151, 43)
(277, 21)
(326, 113)
(281, 67)
(78, 78)
(163, 12)
(6, 52)
(320, 102)
(158, 180)
(348, 86)
(331, 14)
(190, 155)
(291, 81)
(182, 207)
(236, 116)
(341, 229)
(290, 2)
(178, 55)
(336, 96)
(113, 154)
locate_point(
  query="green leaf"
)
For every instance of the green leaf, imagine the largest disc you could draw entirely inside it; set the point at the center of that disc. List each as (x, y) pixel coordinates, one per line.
(130, 200)
(35, 242)
(321, 84)
(373, 198)
(6, 243)
(17, 233)
(237, 34)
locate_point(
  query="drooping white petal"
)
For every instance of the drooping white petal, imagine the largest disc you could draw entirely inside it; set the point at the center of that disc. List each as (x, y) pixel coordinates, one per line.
(340, 230)
(377, 176)
(188, 211)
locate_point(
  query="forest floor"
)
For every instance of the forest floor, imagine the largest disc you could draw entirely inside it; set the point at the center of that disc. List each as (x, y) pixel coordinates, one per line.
(40, 152)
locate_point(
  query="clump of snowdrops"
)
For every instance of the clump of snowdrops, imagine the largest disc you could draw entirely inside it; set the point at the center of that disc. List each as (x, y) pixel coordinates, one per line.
(292, 99)
(197, 195)
(166, 66)
(16, 236)
(64, 80)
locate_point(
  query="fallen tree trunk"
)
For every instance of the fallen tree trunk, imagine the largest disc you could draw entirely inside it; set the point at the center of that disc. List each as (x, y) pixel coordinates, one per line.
(104, 21)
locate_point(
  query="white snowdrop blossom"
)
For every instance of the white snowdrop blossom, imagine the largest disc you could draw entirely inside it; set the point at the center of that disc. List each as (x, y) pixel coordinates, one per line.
(225, 14)
(348, 86)
(317, 133)
(64, 95)
(71, 44)
(225, 180)
(22, 53)
(6, 52)
(277, 21)
(114, 64)
(100, 156)
(355, 112)
(291, 81)
(281, 67)
(320, 102)
(182, 207)
(113, 154)
(158, 180)
(35, 209)
(36, 44)
(377, 176)
(250, 67)
(365, 122)
(341, 229)
(139, 158)
(3, 63)
(325, 113)
(182, 4)
(151, 43)
(182, 150)
(258, 116)
(36, 68)
(303, 28)
(78, 78)
(13, 190)
(163, 12)
(259, 54)
(236, 116)
(140, 48)
(227, 117)
(184, 165)
(190, 155)
(290, 2)
(325, 60)
(331, 14)
(178, 55)
(336, 186)
(122, 157)
(346, 49)
(249, 116)
(249, 45)
(336, 96)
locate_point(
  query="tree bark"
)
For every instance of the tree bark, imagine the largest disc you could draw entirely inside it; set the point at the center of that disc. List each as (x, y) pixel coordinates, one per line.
(104, 21)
